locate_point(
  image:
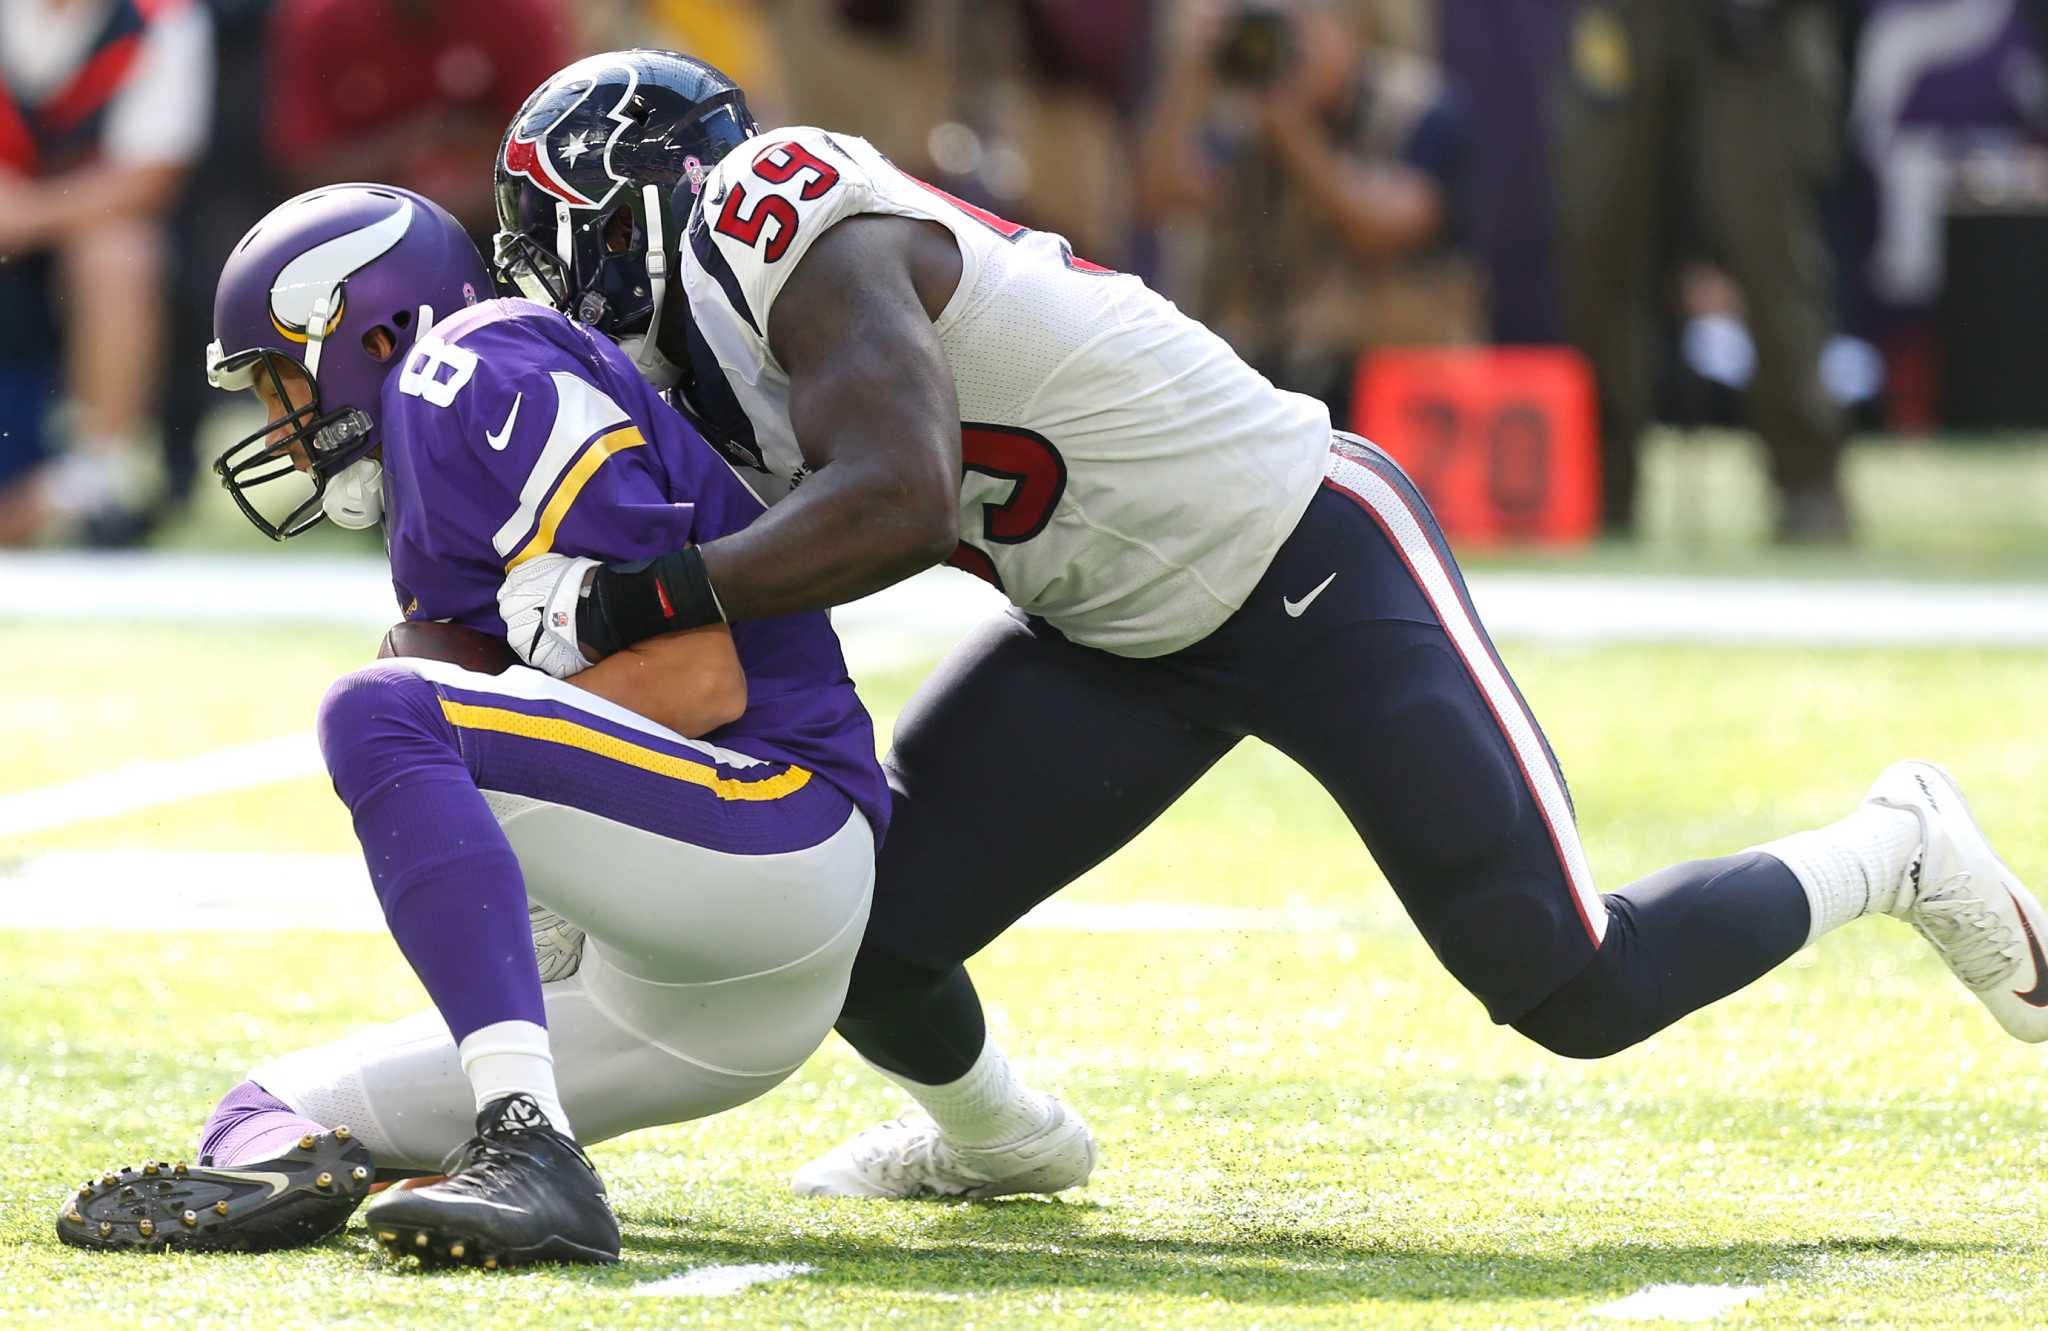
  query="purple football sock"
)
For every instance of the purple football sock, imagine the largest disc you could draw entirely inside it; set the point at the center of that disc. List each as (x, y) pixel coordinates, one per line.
(251, 1124)
(451, 888)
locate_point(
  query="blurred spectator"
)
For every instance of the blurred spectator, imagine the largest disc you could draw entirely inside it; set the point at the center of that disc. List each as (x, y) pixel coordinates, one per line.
(734, 35)
(1943, 91)
(1328, 176)
(1502, 56)
(413, 92)
(1716, 122)
(1020, 105)
(227, 188)
(104, 104)
(875, 68)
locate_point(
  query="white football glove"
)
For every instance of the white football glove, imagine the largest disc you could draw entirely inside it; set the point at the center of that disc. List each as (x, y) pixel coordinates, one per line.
(557, 944)
(538, 604)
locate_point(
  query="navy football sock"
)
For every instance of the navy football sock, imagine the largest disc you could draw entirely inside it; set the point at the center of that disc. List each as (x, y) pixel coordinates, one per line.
(1676, 941)
(449, 883)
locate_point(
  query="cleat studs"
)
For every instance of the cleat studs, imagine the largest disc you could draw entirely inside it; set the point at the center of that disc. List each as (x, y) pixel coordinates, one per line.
(189, 1220)
(106, 1229)
(181, 1169)
(74, 1217)
(324, 1182)
(420, 1240)
(456, 1250)
(220, 1208)
(342, 1134)
(359, 1173)
(150, 1169)
(85, 1190)
(146, 1228)
(306, 1142)
(108, 1180)
(490, 1263)
(386, 1236)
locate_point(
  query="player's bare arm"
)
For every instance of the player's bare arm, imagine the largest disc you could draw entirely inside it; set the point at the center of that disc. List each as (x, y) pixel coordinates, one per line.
(690, 682)
(872, 402)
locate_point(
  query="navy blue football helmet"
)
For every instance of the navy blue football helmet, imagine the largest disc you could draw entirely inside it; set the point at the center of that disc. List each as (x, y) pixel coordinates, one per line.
(596, 178)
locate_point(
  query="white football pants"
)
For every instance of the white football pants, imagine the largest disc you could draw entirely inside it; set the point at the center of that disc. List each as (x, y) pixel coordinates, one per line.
(707, 976)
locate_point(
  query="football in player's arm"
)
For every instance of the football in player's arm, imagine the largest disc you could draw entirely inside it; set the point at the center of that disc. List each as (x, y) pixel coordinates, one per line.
(573, 870)
(1193, 557)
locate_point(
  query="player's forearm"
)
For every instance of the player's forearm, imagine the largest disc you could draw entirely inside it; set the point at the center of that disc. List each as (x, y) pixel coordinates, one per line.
(850, 531)
(690, 682)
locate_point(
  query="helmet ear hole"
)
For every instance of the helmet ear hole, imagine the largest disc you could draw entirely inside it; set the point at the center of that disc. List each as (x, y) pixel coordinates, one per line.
(618, 231)
(380, 343)
(403, 318)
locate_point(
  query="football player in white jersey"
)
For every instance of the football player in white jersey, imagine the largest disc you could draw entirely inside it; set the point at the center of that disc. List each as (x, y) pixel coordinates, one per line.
(1193, 557)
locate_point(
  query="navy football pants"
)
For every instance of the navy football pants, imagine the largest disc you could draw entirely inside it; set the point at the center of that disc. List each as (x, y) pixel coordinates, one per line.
(1024, 760)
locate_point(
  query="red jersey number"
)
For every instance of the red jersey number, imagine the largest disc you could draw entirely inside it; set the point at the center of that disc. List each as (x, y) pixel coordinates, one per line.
(778, 165)
(1039, 474)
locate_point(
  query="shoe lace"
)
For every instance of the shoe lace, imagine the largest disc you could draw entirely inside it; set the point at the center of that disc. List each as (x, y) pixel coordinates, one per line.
(1977, 944)
(506, 1131)
(910, 1152)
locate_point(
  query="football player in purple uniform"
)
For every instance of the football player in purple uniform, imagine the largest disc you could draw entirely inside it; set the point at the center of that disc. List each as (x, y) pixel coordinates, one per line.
(1194, 557)
(693, 823)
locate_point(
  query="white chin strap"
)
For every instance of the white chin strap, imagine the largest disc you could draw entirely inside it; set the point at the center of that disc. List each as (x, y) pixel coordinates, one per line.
(654, 367)
(355, 498)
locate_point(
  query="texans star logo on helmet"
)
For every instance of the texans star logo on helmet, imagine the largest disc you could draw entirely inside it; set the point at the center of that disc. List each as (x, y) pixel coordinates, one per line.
(528, 147)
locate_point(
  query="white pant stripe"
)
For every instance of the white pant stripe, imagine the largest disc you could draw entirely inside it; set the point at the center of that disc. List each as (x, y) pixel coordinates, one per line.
(1404, 526)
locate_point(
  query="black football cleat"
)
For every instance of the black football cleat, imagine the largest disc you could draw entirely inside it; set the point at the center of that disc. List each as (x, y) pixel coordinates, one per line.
(301, 1197)
(520, 1193)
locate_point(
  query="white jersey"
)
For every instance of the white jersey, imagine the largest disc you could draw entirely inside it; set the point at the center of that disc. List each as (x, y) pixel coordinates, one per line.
(1126, 476)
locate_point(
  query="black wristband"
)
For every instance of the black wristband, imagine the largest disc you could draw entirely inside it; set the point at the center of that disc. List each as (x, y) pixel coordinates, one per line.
(630, 603)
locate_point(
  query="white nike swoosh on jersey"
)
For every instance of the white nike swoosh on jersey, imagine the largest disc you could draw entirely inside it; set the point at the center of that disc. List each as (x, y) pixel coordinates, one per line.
(504, 435)
(1294, 608)
(278, 1182)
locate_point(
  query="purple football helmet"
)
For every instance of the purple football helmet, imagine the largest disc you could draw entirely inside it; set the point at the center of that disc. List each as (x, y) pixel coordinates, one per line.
(337, 283)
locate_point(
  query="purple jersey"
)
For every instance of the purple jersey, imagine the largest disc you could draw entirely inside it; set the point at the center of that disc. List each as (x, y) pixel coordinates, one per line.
(512, 432)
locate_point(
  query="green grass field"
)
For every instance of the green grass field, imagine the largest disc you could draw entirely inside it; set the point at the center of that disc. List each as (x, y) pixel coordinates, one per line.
(1296, 1129)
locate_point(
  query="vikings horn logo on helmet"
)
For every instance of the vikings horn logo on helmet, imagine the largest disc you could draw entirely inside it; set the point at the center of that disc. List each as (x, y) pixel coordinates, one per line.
(528, 149)
(320, 271)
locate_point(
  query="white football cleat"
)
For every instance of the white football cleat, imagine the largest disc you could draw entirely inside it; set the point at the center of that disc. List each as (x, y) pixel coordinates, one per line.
(1966, 902)
(557, 944)
(909, 1157)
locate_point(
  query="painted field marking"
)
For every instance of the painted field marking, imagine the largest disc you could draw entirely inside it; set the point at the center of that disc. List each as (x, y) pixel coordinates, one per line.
(915, 619)
(153, 782)
(163, 890)
(711, 1282)
(1679, 1303)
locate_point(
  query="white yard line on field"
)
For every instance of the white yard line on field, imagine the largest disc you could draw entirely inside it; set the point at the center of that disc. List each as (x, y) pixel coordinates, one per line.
(162, 890)
(919, 618)
(152, 782)
(710, 1282)
(1679, 1303)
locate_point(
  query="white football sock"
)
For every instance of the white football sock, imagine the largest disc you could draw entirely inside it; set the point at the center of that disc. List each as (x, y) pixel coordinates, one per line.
(507, 1057)
(989, 1106)
(1851, 868)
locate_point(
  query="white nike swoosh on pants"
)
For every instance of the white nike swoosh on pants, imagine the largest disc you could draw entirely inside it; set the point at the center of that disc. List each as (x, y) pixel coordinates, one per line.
(1294, 609)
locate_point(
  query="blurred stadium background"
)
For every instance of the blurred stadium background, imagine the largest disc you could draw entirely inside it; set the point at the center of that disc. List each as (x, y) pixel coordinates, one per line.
(1711, 326)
